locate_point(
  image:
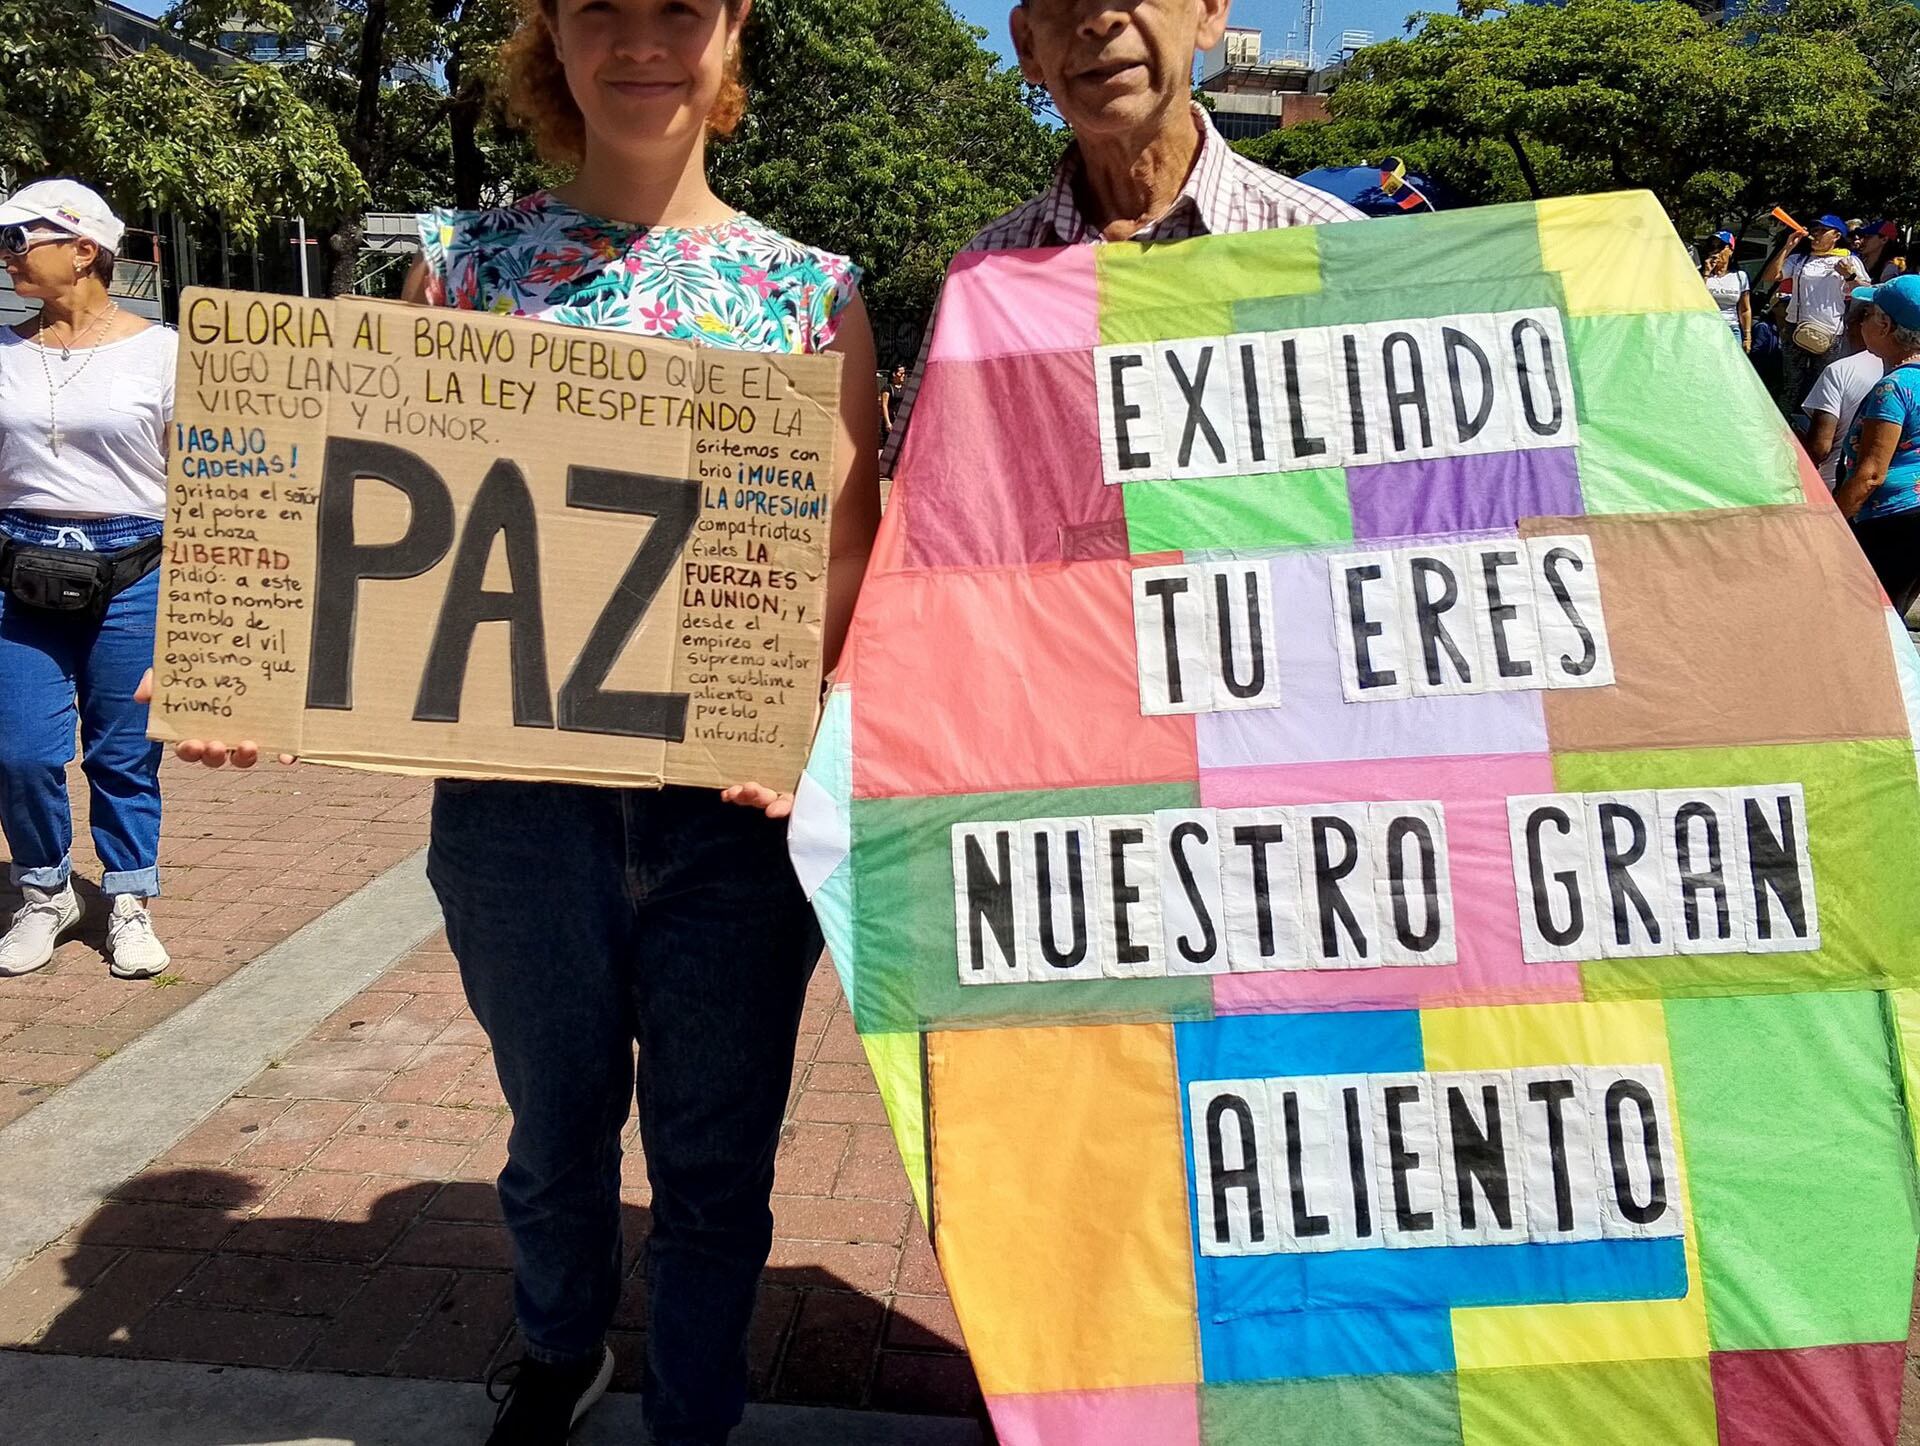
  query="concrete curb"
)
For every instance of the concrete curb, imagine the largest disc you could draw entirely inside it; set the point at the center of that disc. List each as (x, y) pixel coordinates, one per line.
(61, 1159)
(79, 1401)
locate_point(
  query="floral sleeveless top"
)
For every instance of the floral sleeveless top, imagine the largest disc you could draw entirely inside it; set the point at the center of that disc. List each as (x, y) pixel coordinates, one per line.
(738, 284)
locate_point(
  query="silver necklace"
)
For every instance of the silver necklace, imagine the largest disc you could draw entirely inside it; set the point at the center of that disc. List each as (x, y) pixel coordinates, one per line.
(54, 434)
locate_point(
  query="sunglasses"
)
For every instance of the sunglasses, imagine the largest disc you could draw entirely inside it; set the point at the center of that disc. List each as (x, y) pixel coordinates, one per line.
(18, 240)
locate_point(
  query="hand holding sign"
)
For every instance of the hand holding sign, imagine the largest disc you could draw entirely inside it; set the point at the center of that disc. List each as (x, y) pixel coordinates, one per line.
(755, 795)
(216, 753)
(465, 545)
(212, 752)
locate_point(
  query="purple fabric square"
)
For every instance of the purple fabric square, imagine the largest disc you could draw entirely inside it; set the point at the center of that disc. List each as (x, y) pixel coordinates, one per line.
(1463, 494)
(1316, 724)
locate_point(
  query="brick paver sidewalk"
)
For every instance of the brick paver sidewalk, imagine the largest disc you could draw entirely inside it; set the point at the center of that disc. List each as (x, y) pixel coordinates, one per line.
(246, 859)
(338, 1214)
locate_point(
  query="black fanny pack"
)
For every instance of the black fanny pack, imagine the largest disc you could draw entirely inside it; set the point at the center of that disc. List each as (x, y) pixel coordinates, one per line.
(56, 580)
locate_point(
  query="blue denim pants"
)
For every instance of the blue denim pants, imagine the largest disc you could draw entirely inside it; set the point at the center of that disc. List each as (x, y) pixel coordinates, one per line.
(586, 921)
(56, 668)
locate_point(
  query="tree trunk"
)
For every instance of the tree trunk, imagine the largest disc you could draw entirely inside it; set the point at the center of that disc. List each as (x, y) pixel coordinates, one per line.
(464, 113)
(363, 146)
(1525, 162)
(343, 253)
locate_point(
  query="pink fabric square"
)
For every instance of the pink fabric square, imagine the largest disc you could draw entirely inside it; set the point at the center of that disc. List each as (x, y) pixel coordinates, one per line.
(1474, 793)
(1132, 1416)
(1005, 303)
(1003, 465)
(1817, 1396)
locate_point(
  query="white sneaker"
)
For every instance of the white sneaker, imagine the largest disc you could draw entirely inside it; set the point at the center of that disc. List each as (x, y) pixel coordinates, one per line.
(132, 950)
(36, 929)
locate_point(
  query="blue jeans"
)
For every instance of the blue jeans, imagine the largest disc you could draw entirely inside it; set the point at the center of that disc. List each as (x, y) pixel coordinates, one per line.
(54, 668)
(587, 920)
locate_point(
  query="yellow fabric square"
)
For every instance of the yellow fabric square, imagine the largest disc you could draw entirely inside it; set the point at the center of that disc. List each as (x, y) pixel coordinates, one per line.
(1541, 1035)
(1625, 1032)
(1621, 1403)
(1618, 253)
(895, 1059)
(1060, 1192)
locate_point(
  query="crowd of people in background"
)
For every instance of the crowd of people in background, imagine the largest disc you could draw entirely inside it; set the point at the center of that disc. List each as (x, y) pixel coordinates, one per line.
(1833, 321)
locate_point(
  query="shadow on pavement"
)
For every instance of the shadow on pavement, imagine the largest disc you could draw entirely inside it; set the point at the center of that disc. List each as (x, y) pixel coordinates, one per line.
(225, 1287)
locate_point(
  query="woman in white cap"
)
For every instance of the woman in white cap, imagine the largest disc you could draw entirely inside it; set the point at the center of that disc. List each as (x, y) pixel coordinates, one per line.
(85, 393)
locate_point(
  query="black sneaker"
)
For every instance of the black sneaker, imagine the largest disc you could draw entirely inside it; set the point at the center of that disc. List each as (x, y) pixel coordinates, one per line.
(540, 1404)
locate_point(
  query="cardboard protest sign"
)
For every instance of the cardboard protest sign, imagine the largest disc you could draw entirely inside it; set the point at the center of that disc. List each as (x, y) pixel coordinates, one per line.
(1364, 849)
(460, 544)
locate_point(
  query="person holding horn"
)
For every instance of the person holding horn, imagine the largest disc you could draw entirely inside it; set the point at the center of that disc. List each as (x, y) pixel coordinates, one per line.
(1822, 279)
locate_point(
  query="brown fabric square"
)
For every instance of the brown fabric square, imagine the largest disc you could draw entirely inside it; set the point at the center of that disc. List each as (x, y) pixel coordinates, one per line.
(1731, 627)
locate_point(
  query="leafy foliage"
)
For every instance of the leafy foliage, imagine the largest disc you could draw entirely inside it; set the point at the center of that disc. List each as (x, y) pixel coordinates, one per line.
(151, 131)
(1721, 120)
(885, 130)
(407, 87)
(879, 128)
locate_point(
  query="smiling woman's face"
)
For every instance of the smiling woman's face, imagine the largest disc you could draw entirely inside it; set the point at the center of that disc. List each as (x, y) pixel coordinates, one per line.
(1114, 66)
(645, 71)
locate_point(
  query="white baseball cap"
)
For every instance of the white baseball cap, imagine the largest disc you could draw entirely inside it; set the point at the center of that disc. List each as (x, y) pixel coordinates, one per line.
(68, 205)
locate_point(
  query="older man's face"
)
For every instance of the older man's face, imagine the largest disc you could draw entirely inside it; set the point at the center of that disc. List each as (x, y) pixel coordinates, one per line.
(1114, 66)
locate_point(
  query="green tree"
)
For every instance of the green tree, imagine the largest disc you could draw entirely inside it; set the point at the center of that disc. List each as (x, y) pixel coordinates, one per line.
(1720, 120)
(1886, 33)
(153, 132)
(883, 129)
(409, 87)
(880, 128)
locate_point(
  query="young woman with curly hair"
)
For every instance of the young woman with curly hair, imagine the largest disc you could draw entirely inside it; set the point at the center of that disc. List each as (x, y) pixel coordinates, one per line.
(589, 920)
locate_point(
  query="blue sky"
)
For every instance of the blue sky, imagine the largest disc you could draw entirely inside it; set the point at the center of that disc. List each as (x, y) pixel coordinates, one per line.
(1383, 17)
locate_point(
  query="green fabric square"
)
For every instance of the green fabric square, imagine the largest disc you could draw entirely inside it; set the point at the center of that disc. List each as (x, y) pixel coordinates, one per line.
(1433, 249)
(1287, 509)
(1614, 1403)
(906, 937)
(1673, 417)
(1384, 301)
(1154, 292)
(1801, 1181)
(1338, 1411)
(1863, 837)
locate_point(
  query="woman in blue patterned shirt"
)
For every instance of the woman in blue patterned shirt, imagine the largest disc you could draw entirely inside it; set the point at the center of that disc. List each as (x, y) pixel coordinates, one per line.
(587, 920)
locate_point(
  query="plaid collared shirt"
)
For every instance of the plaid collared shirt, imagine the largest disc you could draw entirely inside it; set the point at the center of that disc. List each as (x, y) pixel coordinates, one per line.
(1224, 194)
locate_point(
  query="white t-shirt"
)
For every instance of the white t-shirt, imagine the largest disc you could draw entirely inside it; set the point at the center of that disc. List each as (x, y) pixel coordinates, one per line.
(1822, 286)
(1841, 389)
(1726, 290)
(113, 418)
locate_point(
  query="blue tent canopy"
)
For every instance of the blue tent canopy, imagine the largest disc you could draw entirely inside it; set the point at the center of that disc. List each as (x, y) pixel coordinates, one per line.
(1364, 187)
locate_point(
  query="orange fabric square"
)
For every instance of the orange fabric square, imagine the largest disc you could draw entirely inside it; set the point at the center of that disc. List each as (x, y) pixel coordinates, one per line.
(1059, 1172)
(1033, 685)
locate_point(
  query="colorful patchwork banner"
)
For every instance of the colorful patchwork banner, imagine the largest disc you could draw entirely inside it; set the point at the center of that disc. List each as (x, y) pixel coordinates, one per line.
(1368, 830)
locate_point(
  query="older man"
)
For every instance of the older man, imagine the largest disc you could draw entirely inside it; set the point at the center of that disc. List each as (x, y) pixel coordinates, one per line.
(1146, 163)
